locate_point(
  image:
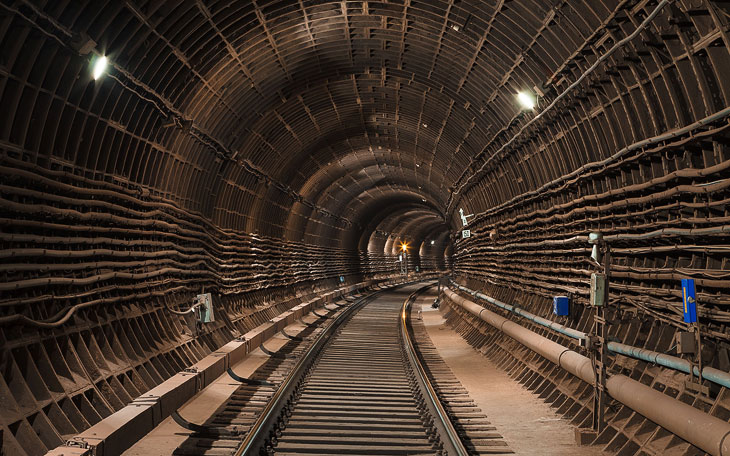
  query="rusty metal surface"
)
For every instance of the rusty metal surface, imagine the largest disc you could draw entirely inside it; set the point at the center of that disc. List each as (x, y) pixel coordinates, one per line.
(263, 149)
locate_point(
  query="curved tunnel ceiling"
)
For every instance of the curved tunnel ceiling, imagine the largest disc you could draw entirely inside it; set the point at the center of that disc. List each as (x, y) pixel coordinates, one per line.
(303, 120)
(240, 109)
(265, 151)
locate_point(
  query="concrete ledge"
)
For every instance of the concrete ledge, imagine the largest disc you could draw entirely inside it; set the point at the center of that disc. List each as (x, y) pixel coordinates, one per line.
(116, 433)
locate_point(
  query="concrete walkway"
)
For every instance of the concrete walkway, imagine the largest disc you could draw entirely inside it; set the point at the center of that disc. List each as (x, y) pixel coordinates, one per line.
(529, 425)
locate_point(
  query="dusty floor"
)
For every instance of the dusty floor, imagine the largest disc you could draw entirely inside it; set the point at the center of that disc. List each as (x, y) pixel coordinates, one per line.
(530, 426)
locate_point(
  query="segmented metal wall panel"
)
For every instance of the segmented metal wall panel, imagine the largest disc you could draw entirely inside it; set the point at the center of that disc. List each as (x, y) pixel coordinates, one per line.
(262, 149)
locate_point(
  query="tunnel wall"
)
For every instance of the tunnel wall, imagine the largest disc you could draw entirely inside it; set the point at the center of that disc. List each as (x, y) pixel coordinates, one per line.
(90, 268)
(638, 150)
(627, 433)
(663, 211)
(243, 168)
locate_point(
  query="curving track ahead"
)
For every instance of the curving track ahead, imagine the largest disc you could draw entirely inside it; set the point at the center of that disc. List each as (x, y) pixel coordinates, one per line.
(360, 388)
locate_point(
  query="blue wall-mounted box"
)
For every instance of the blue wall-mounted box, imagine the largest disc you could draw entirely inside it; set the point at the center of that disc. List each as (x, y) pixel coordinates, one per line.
(561, 306)
(689, 300)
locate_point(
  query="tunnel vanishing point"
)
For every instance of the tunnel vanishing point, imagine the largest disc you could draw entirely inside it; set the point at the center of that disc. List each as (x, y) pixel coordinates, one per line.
(180, 180)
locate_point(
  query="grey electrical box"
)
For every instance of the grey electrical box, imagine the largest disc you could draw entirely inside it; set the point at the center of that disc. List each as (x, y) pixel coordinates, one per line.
(686, 342)
(598, 289)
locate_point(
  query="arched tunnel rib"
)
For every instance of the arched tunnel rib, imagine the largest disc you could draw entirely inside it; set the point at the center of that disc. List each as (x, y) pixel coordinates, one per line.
(274, 153)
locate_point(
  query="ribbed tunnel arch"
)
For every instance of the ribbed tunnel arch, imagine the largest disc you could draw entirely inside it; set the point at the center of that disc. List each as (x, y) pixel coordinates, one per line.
(267, 151)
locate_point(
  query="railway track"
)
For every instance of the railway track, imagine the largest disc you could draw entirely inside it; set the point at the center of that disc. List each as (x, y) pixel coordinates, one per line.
(368, 383)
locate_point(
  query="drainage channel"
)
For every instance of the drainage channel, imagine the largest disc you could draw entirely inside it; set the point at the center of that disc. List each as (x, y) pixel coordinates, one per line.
(361, 388)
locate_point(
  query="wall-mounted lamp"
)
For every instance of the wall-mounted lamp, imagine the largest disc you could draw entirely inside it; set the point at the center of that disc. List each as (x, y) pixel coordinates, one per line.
(595, 239)
(526, 100)
(99, 67)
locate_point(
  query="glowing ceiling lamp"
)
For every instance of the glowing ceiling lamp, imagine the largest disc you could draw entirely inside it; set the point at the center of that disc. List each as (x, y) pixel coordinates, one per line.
(527, 101)
(99, 67)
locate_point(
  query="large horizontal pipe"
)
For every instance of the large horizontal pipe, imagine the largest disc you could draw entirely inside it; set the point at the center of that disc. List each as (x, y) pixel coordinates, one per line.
(696, 427)
(662, 359)
(570, 332)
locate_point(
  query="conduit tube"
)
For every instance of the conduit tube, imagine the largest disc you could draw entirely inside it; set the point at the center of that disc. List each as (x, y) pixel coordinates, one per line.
(673, 362)
(704, 431)
(570, 332)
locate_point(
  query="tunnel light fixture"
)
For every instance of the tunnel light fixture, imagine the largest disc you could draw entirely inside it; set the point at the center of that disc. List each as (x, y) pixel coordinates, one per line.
(595, 239)
(99, 67)
(432, 242)
(527, 101)
(404, 246)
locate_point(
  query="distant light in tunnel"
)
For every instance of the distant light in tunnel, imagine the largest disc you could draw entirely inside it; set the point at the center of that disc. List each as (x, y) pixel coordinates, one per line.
(99, 67)
(526, 100)
(404, 246)
(432, 242)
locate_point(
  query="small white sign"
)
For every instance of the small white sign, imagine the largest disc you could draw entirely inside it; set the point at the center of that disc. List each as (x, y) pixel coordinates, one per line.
(400, 257)
(465, 234)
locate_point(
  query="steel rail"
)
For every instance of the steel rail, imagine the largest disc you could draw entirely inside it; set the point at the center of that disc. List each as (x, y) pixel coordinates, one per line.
(259, 432)
(263, 427)
(449, 436)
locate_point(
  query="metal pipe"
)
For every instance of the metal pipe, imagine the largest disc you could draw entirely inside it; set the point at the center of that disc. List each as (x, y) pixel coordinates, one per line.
(662, 359)
(573, 362)
(672, 362)
(570, 332)
(696, 427)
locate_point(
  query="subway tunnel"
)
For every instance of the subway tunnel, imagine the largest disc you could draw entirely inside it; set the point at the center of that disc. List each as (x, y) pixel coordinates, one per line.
(184, 181)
